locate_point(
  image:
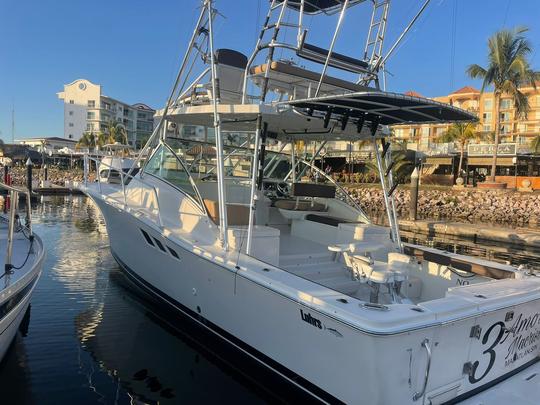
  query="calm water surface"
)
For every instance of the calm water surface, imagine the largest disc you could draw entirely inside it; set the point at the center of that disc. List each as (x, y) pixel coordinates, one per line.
(88, 339)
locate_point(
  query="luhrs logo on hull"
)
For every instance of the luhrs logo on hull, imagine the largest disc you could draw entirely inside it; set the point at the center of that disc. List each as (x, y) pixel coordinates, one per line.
(306, 317)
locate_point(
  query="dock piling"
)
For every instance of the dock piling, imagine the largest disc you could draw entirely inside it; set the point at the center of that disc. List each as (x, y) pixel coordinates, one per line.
(414, 195)
(29, 175)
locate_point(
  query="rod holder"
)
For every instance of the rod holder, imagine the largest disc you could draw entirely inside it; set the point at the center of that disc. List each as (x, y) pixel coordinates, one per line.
(392, 189)
(375, 125)
(344, 120)
(327, 117)
(386, 147)
(389, 168)
(360, 123)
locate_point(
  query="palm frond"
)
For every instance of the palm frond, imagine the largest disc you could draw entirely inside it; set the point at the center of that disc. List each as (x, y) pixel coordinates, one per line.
(535, 144)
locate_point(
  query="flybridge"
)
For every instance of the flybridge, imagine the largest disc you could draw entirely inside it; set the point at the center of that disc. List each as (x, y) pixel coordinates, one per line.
(319, 6)
(288, 102)
(367, 66)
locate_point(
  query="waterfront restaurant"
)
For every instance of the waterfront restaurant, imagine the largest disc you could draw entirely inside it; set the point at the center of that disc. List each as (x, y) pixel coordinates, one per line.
(516, 167)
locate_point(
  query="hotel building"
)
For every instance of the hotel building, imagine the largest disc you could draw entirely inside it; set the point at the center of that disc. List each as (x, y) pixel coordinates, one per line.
(514, 129)
(87, 109)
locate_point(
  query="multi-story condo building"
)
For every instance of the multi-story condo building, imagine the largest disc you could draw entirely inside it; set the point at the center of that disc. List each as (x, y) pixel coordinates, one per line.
(514, 128)
(87, 109)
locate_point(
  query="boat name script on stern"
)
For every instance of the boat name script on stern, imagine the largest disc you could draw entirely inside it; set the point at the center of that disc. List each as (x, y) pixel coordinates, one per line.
(521, 339)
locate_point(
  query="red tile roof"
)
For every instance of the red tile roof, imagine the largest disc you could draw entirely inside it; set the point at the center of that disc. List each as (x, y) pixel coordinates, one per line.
(466, 90)
(412, 93)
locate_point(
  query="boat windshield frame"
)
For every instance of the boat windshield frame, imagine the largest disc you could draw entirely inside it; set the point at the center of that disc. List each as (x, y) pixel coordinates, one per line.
(198, 201)
(248, 153)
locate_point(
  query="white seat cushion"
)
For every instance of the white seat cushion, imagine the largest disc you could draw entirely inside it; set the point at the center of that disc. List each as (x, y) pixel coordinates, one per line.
(400, 264)
(380, 273)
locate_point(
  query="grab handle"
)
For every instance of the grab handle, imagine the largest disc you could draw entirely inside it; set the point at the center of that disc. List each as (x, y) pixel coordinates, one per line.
(418, 395)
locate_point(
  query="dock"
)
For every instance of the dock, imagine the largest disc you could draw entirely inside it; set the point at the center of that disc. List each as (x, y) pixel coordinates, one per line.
(513, 236)
(57, 191)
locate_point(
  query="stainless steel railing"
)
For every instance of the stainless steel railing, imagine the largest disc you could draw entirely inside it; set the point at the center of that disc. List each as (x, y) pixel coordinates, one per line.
(14, 204)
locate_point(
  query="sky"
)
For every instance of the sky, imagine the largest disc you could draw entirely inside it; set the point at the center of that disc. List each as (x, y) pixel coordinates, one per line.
(133, 47)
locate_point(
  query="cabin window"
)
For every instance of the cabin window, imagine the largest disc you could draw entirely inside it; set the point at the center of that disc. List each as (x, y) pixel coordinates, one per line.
(165, 164)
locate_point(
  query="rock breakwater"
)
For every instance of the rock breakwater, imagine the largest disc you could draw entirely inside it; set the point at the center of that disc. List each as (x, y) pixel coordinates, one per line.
(486, 206)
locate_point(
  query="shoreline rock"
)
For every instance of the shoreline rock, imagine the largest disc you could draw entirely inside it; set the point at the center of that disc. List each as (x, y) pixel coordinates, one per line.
(466, 205)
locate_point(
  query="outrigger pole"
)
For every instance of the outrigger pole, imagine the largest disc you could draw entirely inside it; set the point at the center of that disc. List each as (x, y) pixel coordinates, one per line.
(382, 61)
(162, 121)
(217, 128)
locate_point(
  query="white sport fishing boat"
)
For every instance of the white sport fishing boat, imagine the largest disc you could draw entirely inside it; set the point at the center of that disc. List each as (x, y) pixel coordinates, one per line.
(290, 271)
(117, 158)
(22, 253)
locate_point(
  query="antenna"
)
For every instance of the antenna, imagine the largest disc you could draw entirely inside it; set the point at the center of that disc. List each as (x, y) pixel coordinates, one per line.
(12, 123)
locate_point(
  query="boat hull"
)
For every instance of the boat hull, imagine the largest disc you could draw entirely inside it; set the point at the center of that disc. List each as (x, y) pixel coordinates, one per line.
(15, 301)
(323, 356)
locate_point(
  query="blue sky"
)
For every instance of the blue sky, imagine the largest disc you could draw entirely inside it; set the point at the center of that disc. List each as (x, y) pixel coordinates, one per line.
(133, 48)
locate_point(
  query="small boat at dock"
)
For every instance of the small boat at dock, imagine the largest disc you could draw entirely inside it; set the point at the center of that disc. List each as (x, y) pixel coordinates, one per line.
(22, 253)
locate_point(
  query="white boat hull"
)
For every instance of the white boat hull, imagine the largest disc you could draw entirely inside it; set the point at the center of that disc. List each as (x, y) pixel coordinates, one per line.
(329, 358)
(15, 299)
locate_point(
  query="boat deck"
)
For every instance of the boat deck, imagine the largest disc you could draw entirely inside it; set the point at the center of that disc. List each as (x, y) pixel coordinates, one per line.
(313, 261)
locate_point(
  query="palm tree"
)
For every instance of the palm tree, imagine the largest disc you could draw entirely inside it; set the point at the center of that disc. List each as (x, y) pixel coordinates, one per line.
(535, 144)
(92, 140)
(462, 134)
(508, 68)
(88, 140)
(402, 167)
(117, 132)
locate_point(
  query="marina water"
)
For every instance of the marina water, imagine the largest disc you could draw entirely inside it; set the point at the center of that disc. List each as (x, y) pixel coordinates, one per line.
(89, 339)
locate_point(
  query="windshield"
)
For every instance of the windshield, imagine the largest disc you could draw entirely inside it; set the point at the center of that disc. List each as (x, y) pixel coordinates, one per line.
(199, 163)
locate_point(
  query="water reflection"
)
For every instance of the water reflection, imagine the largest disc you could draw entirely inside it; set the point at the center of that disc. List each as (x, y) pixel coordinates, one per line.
(90, 339)
(16, 361)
